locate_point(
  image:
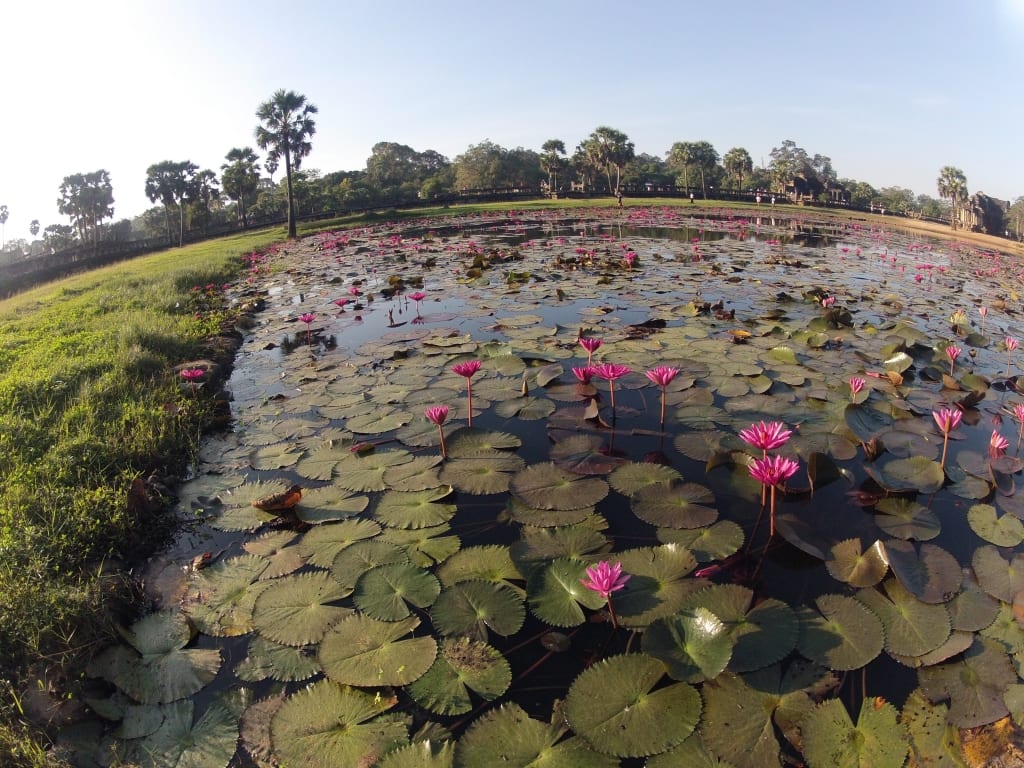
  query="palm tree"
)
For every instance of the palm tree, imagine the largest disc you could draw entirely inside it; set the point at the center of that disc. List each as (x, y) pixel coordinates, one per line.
(287, 126)
(738, 164)
(552, 161)
(952, 184)
(240, 179)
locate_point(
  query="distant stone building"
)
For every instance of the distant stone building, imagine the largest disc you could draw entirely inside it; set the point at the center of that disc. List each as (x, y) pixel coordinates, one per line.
(981, 213)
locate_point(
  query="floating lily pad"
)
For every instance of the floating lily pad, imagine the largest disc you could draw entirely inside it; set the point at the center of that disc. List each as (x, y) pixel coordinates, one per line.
(999, 577)
(507, 736)
(912, 474)
(658, 584)
(714, 542)
(330, 724)
(277, 548)
(361, 474)
(297, 610)
(927, 570)
(490, 562)
(415, 509)
(629, 478)
(912, 627)
(221, 596)
(831, 740)
(469, 441)
(387, 591)
(933, 741)
(615, 707)
(844, 634)
(557, 595)
(546, 518)
(421, 754)
(329, 503)
(907, 519)
(210, 742)
(683, 505)
(462, 665)
(362, 651)
(482, 475)
(572, 541)
(974, 686)
(322, 544)
(546, 486)
(694, 645)
(584, 455)
(352, 562)
(1003, 531)
(762, 634)
(424, 546)
(847, 562)
(972, 609)
(417, 475)
(267, 659)
(472, 607)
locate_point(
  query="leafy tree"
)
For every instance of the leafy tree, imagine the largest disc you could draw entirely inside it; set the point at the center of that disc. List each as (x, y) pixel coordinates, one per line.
(203, 197)
(952, 184)
(609, 149)
(553, 161)
(3, 225)
(286, 127)
(58, 236)
(930, 207)
(489, 166)
(896, 199)
(170, 183)
(699, 155)
(738, 165)
(861, 193)
(87, 198)
(399, 171)
(240, 179)
(646, 168)
(788, 162)
(33, 227)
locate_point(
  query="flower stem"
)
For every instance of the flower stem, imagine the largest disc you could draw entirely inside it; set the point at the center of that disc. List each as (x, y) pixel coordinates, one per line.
(440, 432)
(611, 611)
(469, 386)
(662, 409)
(945, 444)
(771, 516)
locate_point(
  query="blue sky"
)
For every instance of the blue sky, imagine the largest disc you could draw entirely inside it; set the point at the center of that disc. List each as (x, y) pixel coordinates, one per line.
(891, 91)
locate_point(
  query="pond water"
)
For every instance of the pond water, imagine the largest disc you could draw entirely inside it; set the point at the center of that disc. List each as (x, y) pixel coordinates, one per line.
(889, 578)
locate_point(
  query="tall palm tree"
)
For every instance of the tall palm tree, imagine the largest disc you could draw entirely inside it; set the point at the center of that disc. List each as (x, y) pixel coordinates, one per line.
(952, 184)
(738, 164)
(287, 126)
(240, 179)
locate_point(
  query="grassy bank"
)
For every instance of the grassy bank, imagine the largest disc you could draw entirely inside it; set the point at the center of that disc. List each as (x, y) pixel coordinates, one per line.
(91, 400)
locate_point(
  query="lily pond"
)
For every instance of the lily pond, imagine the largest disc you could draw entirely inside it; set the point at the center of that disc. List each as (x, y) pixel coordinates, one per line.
(350, 591)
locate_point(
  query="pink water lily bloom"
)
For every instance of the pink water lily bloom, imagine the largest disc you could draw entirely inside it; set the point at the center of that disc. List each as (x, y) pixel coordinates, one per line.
(947, 420)
(997, 444)
(341, 303)
(770, 471)
(983, 311)
(591, 345)
(192, 374)
(467, 369)
(662, 376)
(1018, 413)
(953, 352)
(438, 414)
(584, 374)
(856, 386)
(610, 372)
(1011, 344)
(308, 318)
(417, 296)
(604, 579)
(766, 436)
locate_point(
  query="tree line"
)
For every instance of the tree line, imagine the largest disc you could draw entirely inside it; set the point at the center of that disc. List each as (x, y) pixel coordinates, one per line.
(191, 199)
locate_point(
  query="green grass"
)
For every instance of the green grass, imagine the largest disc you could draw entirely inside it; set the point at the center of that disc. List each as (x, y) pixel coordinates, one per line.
(89, 401)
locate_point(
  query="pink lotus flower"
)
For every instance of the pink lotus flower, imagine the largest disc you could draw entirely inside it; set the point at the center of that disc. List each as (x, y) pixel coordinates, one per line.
(354, 290)
(591, 345)
(953, 352)
(630, 259)
(983, 311)
(828, 302)
(770, 471)
(417, 296)
(192, 375)
(466, 370)
(610, 372)
(856, 386)
(437, 414)
(766, 436)
(662, 376)
(1011, 344)
(1018, 413)
(583, 374)
(308, 318)
(947, 420)
(341, 303)
(604, 579)
(997, 444)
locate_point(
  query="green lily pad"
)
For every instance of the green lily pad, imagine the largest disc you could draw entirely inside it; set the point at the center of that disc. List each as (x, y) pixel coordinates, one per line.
(693, 644)
(297, 610)
(419, 474)
(927, 570)
(584, 455)
(714, 542)
(330, 724)
(471, 607)
(762, 634)
(484, 474)
(323, 543)
(848, 563)
(546, 486)
(462, 665)
(387, 591)
(546, 518)
(831, 740)
(683, 505)
(362, 651)
(364, 473)
(912, 474)
(424, 546)
(933, 741)
(999, 577)
(912, 627)
(468, 442)
(572, 541)
(906, 519)
(267, 659)
(507, 736)
(421, 754)
(210, 742)
(843, 634)
(221, 597)
(556, 593)
(615, 707)
(972, 609)
(491, 562)
(629, 478)
(414, 509)
(526, 408)
(329, 503)
(658, 584)
(974, 686)
(276, 547)
(1005, 531)
(352, 562)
